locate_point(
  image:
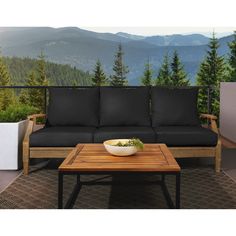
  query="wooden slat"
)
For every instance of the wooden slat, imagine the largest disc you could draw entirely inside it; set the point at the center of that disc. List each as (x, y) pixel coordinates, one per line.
(184, 152)
(50, 152)
(26, 147)
(121, 168)
(94, 157)
(208, 116)
(168, 155)
(73, 154)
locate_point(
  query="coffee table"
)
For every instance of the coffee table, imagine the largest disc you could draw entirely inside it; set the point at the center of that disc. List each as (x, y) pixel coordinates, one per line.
(93, 159)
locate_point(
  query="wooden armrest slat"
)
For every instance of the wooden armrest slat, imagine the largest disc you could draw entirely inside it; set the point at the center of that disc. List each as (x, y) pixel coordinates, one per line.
(208, 116)
(34, 116)
(212, 119)
(28, 132)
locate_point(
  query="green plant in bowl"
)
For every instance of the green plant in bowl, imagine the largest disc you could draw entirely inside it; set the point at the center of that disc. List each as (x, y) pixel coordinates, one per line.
(123, 147)
(131, 142)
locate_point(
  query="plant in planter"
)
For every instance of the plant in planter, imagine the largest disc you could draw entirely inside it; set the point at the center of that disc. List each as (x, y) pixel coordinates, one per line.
(123, 147)
(13, 123)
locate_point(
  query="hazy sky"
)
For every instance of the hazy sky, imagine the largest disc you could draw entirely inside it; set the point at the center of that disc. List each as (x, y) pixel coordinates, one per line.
(220, 31)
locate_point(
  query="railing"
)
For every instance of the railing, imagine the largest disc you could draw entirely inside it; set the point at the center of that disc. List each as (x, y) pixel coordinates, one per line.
(45, 88)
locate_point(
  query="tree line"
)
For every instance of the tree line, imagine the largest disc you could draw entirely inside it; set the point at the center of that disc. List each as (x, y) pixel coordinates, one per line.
(213, 70)
(30, 97)
(57, 74)
(35, 72)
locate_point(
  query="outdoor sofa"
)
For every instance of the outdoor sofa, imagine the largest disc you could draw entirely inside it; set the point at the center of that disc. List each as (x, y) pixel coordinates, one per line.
(96, 114)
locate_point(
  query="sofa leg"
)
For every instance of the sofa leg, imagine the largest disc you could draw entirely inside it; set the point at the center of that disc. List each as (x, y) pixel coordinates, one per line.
(26, 167)
(218, 157)
(26, 158)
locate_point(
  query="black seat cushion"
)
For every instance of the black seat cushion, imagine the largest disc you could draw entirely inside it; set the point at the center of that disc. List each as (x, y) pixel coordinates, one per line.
(124, 106)
(73, 107)
(186, 136)
(145, 134)
(61, 136)
(174, 106)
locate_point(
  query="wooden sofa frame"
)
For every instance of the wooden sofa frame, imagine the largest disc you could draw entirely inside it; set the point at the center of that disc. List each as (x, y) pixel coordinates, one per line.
(62, 152)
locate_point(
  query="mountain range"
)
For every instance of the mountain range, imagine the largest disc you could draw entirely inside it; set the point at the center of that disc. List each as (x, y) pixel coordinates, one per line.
(81, 48)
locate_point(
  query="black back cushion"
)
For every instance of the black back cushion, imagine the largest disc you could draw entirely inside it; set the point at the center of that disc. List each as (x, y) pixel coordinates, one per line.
(176, 106)
(127, 106)
(73, 107)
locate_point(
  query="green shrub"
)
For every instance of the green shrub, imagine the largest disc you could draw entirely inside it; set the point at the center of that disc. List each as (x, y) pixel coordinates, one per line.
(16, 112)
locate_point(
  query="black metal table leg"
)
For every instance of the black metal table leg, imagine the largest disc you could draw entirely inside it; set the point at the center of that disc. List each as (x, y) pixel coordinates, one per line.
(78, 179)
(73, 196)
(163, 178)
(166, 193)
(60, 190)
(177, 192)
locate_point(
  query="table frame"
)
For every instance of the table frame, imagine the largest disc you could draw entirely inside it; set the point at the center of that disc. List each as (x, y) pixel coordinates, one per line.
(73, 196)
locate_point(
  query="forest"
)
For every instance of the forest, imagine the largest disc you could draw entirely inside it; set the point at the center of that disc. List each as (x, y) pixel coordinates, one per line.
(213, 69)
(56, 74)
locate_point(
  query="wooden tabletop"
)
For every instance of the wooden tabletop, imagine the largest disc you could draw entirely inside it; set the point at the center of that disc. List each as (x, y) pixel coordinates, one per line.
(95, 158)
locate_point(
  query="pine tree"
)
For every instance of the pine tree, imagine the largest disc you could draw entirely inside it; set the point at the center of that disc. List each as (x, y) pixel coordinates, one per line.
(178, 75)
(163, 78)
(34, 96)
(6, 95)
(232, 59)
(41, 80)
(146, 80)
(120, 69)
(211, 73)
(74, 83)
(99, 77)
(28, 96)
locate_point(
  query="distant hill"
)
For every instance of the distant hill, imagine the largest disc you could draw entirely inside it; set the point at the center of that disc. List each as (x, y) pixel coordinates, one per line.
(81, 48)
(178, 40)
(169, 40)
(20, 68)
(130, 36)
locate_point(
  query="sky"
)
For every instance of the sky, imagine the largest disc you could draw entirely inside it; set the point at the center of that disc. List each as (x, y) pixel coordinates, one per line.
(148, 31)
(141, 17)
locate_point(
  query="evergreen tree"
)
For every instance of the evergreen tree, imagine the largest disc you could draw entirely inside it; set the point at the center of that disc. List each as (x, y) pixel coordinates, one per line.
(29, 96)
(6, 95)
(34, 96)
(41, 71)
(178, 75)
(41, 80)
(146, 80)
(74, 83)
(99, 77)
(232, 59)
(211, 73)
(120, 69)
(163, 77)
(58, 74)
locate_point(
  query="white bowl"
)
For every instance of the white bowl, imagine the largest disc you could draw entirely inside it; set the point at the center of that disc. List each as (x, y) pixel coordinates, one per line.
(119, 151)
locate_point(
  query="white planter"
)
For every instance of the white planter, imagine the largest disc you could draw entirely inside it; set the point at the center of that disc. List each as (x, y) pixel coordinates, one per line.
(11, 137)
(228, 110)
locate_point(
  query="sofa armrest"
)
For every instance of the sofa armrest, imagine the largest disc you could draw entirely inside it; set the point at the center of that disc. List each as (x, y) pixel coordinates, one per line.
(31, 124)
(208, 116)
(212, 119)
(28, 132)
(35, 116)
